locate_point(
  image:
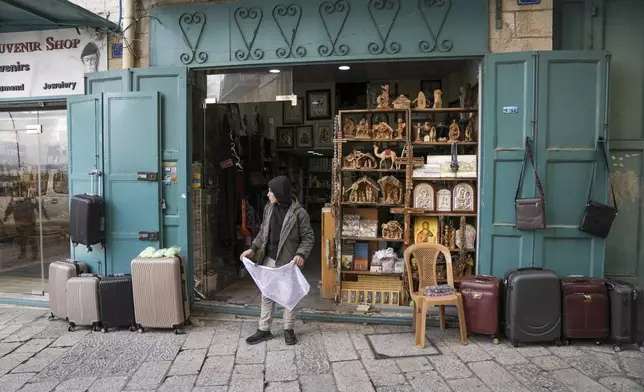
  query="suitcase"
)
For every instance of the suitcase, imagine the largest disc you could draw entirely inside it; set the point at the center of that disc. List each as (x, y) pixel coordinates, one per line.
(481, 303)
(82, 302)
(160, 293)
(626, 314)
(87, 217)
(532, 306)
(116, 302)
(585, 309)
(59, 273)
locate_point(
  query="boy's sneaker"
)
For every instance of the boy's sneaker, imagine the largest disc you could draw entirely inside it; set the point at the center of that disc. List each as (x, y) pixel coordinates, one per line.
(259, 337)
(289, 337)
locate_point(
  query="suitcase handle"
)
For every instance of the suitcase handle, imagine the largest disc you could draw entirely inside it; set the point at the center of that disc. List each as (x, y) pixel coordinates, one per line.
(530, 269)
(92, 174)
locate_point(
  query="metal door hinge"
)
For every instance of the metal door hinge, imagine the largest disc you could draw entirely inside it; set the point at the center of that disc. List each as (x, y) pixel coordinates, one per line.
(147, 176)
(148, 236)
(605, 127)
(594, 11)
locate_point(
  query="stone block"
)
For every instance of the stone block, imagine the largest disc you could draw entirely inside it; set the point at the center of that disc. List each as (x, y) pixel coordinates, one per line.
(577, 381)
(496, 377)
(291, 386)
(178, 384)
(216, 371)
(188, 362)
(280, 366)
(427, 381)
(533, 24)
(351, 376)
(450, 366)
(108, 384)
(149, 375)
(318, 383)
(339, 346)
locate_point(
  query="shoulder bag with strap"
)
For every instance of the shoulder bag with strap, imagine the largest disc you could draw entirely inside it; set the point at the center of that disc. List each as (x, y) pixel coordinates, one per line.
(599, 217)
(530, 212)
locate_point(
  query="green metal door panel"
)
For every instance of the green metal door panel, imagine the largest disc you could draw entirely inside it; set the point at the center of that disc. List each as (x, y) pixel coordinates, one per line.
(577, 24)
(572, 113)
(131, 146)
(84, 138)
(508, 107)
(116, 81)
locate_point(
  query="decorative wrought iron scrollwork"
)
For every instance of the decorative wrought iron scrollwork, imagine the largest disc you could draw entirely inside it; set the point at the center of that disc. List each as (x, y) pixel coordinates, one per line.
(251, 14)
(383, 7)
(327, 10)
(280, 13)
(435, 13)
(198, 21)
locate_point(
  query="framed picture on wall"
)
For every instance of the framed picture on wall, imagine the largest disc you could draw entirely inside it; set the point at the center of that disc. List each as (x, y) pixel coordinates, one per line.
(293, 115)
(285, 138)
(323, 136)
(318, 105)
(304, 136)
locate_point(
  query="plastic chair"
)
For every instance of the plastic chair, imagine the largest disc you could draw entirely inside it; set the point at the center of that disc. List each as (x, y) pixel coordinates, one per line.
(426, 256)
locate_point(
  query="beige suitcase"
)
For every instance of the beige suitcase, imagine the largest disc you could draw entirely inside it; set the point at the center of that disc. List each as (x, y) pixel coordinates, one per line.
(59, 273)
(160, 293)
(82, 302)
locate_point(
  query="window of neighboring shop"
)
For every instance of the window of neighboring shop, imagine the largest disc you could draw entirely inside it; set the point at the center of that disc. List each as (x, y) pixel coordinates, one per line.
(25, 249)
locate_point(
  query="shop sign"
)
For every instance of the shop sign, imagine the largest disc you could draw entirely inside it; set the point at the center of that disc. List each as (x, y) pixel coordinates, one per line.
(528, 2)
(48, 63)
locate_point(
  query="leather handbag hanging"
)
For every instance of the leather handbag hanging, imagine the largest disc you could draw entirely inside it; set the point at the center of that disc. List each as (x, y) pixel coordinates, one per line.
(530, 212)
(599, 217)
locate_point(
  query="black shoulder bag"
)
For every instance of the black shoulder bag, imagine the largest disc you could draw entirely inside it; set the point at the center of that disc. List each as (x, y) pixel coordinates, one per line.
(599, 217)
(530, 212)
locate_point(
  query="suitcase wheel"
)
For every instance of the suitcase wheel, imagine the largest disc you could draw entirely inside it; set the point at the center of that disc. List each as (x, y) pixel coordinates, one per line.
(104, 330)
(187, 323)
(515, 343)
(496, 341)
(566, 342)
(96, 328)
(598, 342)
(51, 317)
(132, 328)
(616, 348)
(71, 328)
(141, 330)
(642, 349)
(559, 342)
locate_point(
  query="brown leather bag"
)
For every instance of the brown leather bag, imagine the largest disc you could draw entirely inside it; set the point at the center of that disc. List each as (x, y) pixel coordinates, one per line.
(530, 212)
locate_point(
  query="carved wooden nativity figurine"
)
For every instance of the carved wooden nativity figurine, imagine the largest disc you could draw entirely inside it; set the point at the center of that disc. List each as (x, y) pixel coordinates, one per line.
(383, 98)
(359, 160)
(391, 189)
(392, 230)
(365, 190)
(349, 129)
(363, 131)
(400, 133)
(383, 131)
(454, 132)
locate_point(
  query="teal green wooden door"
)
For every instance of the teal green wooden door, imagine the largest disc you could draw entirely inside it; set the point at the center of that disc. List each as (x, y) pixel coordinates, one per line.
(85, 139)
(508, 107)
(131, 150)
(572, 114)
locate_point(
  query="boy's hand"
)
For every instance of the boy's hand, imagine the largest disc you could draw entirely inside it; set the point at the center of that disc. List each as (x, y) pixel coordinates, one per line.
(298, 260)
(249, 254)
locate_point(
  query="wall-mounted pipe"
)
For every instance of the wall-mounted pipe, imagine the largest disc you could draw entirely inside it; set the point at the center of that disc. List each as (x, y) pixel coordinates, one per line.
(498, 18)
(129, 28)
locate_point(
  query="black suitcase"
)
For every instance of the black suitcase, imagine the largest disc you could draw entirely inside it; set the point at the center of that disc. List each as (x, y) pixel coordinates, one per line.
(626, 314)
(116, 302)
(532, 306)
(87, 217)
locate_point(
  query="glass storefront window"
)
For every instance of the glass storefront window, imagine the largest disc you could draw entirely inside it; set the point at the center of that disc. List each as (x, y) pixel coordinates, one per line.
(25, 249)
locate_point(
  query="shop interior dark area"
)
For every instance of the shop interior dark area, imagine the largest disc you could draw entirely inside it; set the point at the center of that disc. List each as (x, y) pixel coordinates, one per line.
(249, 132)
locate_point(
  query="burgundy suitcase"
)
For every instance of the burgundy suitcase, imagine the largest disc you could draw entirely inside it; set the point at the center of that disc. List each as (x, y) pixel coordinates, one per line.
(585, 309)
(87, 217)
(481, 302)
(626, 314)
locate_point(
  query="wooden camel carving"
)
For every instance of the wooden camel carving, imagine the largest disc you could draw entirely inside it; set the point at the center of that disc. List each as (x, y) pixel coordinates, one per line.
(386, 154)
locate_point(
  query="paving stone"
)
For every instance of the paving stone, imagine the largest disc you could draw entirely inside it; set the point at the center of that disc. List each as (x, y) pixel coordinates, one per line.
(577, 381)
(339, 346)
(351, 376)
(9, 315)
(210, 389)
(8, 330)
(414, 364)
(124, 358)
(225, 339)
(397, 388)
(427, 381)
(621, 384)
(567, 351)
(633, 367)
(250, 354)
(9, 362)
(246, 385)
(108, 384)
(6, 348)
(199, 338)
(76, 384)
(34, 345)
(27, 317)
(597, 365)
(41, 360)
(502, 353)
(532, 350)
(384, 372)
(292, 386)
(535, 379)
(318, 383)
(470, 353)
(53, 330)
(366, 354)
(277, 342)
(13, 382)
(178, 384)
(359, 340)
(248, 372)
(70, 338)
(149, 375)
(280, 366)
(450, 366)
(43, 386)
(188, 362)
(496, 377)
(310, 355)
(216, 371)
(166, 347)
(549, 362)
(468, 385)
(399, 345)
(24, 333)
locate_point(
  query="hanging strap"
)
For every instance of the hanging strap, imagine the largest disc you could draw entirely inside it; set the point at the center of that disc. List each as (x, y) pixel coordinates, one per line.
(601, 145)
(454, 162)
(529, 157)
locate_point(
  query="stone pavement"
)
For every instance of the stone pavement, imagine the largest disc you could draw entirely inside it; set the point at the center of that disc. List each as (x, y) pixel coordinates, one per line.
(39, 356)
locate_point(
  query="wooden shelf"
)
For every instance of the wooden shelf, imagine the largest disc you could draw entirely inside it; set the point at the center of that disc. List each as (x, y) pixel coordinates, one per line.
(370, 239)
(349, 203)
(440, 213)
(374, 110)
(429, 144)
(365, 140)
(344, 169)
(444, 179)
(445, 110)
(372, 273)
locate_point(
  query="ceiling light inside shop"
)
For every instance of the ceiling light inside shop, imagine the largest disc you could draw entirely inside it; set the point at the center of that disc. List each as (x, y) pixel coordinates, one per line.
(274, 71)
(344, 68)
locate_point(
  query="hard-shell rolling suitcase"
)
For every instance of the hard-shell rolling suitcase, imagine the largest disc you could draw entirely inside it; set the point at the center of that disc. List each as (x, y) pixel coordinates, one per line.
(481, 303)
(87, 217)
(532, 306)
(116, 302)
(160, 293)
(585, 309)
(82, 302)
(59, 273)
(626, 314)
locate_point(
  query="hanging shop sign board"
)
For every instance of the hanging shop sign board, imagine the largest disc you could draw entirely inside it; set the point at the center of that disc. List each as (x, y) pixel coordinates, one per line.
(49, 63)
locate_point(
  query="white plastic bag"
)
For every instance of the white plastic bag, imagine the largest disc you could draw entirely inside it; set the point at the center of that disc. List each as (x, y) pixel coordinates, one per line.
(285, 285)
(147, 252)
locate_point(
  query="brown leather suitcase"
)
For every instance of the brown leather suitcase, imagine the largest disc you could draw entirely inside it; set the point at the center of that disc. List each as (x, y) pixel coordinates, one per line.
(481, 296)
(585, 309)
